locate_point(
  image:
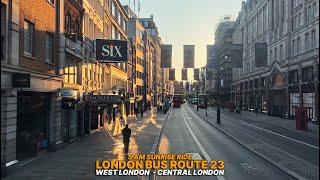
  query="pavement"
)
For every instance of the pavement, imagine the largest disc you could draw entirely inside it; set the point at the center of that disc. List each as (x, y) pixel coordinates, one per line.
(186, 132)
(77, 160)
(274, 139)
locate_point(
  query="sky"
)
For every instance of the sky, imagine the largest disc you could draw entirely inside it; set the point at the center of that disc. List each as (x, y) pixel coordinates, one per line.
(186, 22)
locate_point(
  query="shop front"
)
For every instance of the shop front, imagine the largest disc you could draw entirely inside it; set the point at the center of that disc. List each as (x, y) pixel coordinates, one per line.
(33, 117)
(69, 114)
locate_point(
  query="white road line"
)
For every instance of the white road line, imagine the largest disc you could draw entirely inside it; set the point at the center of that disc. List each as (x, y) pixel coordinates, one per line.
(315, 147)
(203, 151)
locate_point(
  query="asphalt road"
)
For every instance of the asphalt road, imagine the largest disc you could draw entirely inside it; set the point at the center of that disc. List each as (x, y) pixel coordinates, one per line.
(185, 132)
(300, 145)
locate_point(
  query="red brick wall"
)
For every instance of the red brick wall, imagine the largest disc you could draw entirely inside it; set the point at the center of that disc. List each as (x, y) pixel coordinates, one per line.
(43, 15)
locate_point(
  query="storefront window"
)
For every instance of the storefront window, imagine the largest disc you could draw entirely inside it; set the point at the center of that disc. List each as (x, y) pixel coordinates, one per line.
(307, 74)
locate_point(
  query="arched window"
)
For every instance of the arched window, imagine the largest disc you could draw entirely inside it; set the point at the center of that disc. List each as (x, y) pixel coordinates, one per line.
(77, 29)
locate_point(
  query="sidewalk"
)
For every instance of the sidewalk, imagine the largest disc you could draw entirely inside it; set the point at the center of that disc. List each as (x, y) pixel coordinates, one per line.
(313, 130)
(77, 160)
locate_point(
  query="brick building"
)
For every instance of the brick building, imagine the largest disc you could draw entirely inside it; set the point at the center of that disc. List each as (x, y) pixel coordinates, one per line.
(29, 80)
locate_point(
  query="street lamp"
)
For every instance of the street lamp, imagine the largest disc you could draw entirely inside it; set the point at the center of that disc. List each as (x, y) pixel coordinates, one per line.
(197, 96)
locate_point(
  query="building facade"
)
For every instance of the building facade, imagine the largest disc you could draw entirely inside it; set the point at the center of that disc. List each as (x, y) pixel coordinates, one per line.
(30, 80)
(154, 44)
(290, 29)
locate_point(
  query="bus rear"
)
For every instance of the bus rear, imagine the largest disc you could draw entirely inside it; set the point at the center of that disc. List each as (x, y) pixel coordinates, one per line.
(177, 100)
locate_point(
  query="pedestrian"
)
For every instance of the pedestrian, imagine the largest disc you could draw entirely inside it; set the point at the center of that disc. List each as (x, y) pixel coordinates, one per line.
(126, 133)
(256, 110)
(121, 121)
(141, 109)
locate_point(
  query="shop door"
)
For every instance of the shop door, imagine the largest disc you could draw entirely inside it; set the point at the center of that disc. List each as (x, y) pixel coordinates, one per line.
(278, 103)
(33, 114)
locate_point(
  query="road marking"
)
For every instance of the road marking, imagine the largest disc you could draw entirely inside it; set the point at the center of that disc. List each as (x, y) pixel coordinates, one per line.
(281, 135)
(203, 151)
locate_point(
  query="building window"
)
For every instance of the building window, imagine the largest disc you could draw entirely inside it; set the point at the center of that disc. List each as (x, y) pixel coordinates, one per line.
(281, 52)
(68, 23)
(313, 39)
(28, 38)
(298, 45)
(307, 74)
(3, 30)
(49, 48)
(293, 77)
(306, 40)
(113, 9)
(276, 54)
(293, 48)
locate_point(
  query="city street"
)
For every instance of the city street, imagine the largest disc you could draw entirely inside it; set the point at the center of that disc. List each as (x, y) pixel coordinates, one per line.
(275, 139)
(185, 132)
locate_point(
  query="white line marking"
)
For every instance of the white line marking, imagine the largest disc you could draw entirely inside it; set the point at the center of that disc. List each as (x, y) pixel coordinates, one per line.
(203, 151)
(32, 160)
(281, 135)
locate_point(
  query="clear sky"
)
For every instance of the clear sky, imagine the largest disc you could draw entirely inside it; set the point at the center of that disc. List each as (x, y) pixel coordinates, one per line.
(187, 22)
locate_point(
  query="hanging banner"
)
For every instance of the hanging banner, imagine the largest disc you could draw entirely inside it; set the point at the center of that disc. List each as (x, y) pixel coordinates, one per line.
(187, 86)
(166, 56)
(111, 51)
(213, 62)
(188, 56)
(236, 55)
(261, 55)
(172, 75)
(184, 74)
(196, 74)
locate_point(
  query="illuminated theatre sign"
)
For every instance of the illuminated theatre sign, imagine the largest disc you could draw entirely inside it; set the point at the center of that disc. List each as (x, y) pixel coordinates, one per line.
(111, 51)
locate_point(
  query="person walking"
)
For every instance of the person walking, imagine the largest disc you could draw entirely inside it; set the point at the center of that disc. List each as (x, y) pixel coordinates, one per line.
(141, 110)
(126, 133)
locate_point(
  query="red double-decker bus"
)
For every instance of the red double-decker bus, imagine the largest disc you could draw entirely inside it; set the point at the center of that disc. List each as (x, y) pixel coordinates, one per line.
(177, 100)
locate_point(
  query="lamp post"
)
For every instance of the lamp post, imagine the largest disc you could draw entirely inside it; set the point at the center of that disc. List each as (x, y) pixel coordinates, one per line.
(218, 108)
(197, 96)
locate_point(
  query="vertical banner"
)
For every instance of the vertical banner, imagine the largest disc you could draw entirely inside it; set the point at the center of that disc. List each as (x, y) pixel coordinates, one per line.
(261, 55)
(187, 86)
(196, 74)
(213, 62)
(184, 75)
(236, 56)
(172, 75)
(166, 56)
(188, 56)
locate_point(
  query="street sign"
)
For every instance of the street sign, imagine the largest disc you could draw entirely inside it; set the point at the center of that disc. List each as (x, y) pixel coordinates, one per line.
(111, 51)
